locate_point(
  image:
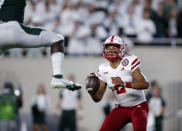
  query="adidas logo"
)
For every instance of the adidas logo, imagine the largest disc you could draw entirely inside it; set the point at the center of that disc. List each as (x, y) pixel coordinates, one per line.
(122, 69)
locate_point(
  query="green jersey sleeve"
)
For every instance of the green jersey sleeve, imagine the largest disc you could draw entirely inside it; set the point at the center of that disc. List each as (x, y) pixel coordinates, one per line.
(12, 10)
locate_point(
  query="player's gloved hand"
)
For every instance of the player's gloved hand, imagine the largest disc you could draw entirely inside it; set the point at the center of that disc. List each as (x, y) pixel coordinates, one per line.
(117, 81)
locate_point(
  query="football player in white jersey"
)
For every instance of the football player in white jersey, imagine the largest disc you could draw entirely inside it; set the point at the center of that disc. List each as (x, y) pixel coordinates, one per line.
(122, 75)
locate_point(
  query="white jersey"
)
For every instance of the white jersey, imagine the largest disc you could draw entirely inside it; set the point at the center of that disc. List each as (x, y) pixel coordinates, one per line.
(69, 99)
(124, 96)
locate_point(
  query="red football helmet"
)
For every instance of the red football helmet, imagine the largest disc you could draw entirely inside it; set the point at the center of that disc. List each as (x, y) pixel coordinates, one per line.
(113, 54)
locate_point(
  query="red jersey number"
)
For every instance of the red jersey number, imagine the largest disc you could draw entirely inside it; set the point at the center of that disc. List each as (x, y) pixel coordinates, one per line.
(119, 90)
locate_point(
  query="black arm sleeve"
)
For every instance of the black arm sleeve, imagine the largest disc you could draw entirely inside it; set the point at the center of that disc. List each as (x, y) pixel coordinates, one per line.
(163, 102)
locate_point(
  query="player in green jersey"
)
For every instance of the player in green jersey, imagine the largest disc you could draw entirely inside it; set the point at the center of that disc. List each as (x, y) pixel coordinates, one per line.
(14, 34)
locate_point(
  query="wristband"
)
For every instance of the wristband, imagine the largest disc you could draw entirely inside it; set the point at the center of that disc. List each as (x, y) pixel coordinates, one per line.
(127, 84)
(124, 84)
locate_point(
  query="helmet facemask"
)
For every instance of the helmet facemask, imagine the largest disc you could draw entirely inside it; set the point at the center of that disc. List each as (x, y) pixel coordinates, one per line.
(115, 52)
(112, 51)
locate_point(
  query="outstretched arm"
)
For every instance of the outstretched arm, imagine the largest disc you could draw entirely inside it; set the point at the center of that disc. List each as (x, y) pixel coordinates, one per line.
(140, 82)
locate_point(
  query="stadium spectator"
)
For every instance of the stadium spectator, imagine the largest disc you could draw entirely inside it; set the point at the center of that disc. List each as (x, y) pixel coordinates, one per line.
(148, 7)
(68, 14)
(180, 24)
(130, 23)
(97, 34)
(155, 4)
(113, 22)
(157, 107)
(160, 21)
(49, 14)
(9, 105)
(138, 6)
(153, 84)
(94, 16)
(40, 107)
(101, 4)
(119, 6)
(82, 11)
(78, 38)
(70, 103)
(38, 11)
(55, 25)
(173, 23)
(55, 6)
(168, 5)
(146, 29)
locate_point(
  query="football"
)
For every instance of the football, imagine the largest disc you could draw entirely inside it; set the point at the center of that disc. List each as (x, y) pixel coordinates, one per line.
(92, 83)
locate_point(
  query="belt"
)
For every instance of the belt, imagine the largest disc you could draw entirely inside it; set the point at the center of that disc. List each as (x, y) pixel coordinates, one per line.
(118, 105)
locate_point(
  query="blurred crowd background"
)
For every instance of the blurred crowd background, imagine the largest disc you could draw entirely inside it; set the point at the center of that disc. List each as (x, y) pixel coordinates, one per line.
(85, 24)
(152, 30)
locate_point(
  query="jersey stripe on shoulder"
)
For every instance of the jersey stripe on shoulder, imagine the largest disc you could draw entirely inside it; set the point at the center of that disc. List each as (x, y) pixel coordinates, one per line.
(134, 61)
(135, 65)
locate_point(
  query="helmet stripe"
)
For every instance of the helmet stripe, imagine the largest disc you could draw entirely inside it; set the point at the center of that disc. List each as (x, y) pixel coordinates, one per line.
(112, 38)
